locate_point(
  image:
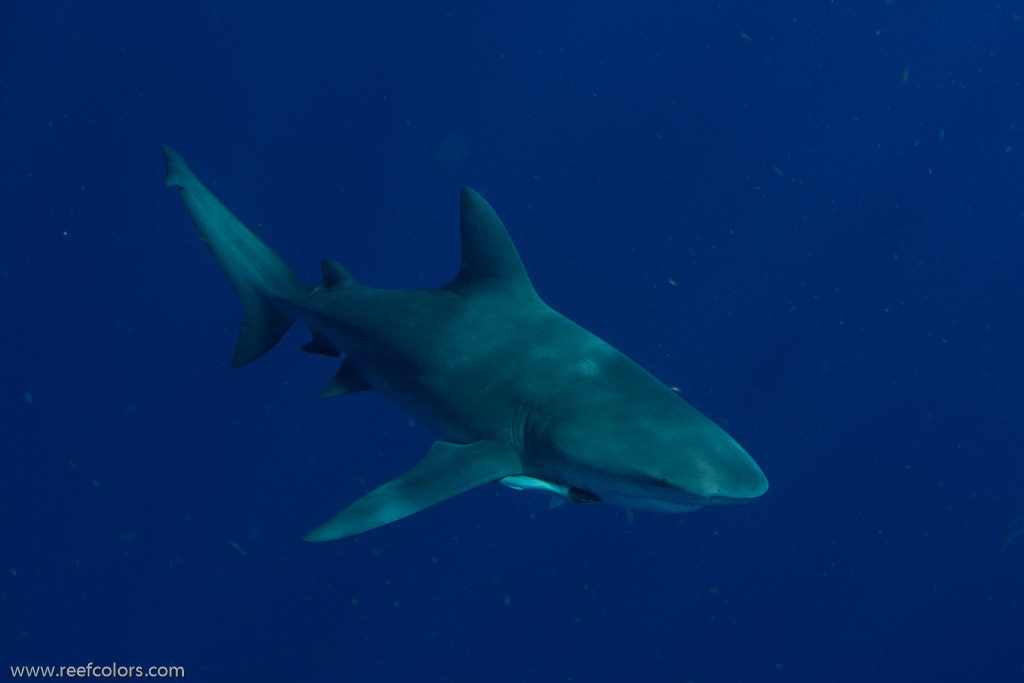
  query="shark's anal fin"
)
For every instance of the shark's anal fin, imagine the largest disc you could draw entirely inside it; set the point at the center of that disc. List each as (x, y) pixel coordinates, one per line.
(447, 470)
(320, 344)
(347, 380)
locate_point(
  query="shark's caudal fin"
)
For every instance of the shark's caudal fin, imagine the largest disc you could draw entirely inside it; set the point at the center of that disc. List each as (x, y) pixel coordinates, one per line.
(261, 278)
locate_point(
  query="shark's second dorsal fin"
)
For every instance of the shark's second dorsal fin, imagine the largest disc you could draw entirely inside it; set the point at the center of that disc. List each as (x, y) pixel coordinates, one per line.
(489, 259)
(335, 277)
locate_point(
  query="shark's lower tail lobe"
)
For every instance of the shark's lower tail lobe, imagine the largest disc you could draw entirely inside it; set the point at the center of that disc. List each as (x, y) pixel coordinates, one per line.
(260, 277)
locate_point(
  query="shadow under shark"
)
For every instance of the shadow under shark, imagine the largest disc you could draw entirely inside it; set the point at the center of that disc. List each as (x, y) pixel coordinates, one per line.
(520, 394)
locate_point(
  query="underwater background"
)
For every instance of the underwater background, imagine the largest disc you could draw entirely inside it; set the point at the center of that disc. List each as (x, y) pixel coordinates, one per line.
(806, 216)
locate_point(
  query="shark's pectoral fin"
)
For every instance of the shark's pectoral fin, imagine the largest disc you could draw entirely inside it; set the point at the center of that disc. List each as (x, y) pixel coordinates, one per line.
(447, 470)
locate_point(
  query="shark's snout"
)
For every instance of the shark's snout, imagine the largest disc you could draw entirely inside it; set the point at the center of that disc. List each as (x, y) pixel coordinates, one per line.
(727, 475)
(742, 480)
(740, 496)
(747, 483)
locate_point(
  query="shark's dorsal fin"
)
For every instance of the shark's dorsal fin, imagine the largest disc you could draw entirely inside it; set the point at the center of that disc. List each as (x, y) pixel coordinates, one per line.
(489, 259)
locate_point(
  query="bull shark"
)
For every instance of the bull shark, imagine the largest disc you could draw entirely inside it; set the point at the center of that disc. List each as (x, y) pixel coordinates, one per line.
(518, 393)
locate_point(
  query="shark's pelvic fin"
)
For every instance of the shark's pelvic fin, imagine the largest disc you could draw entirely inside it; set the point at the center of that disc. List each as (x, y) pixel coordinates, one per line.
(447, 470)
(260, 277)
(335, 279)
(347, 380)
(320, 344)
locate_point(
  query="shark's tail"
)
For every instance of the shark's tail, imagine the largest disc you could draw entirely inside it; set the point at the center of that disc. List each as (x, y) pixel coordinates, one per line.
(260, 277)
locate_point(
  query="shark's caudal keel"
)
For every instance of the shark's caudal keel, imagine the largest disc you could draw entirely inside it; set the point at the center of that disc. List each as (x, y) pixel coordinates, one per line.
(520, 394)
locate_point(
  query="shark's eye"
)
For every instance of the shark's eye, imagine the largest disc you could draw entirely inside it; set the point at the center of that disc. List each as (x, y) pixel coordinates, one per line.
(664, 481)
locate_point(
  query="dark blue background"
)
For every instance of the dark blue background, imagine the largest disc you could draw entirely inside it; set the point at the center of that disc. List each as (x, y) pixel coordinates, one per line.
(808, 217)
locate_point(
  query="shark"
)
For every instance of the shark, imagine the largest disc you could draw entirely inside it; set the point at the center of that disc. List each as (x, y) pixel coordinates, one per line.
(518, 393)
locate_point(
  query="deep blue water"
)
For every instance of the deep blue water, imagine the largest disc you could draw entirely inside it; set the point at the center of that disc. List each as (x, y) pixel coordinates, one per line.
(806, 216)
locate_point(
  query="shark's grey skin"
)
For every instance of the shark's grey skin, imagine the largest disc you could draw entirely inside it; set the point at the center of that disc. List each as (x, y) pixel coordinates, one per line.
(519, 393)
(1015, 530)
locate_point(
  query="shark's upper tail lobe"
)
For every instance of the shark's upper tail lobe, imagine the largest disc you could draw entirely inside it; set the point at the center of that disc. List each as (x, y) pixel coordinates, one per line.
(259, 275)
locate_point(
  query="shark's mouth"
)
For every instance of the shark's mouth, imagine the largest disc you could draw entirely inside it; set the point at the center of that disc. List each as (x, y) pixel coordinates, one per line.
(671, 506)
(653, 504)
(683, 502)
(726, 500)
